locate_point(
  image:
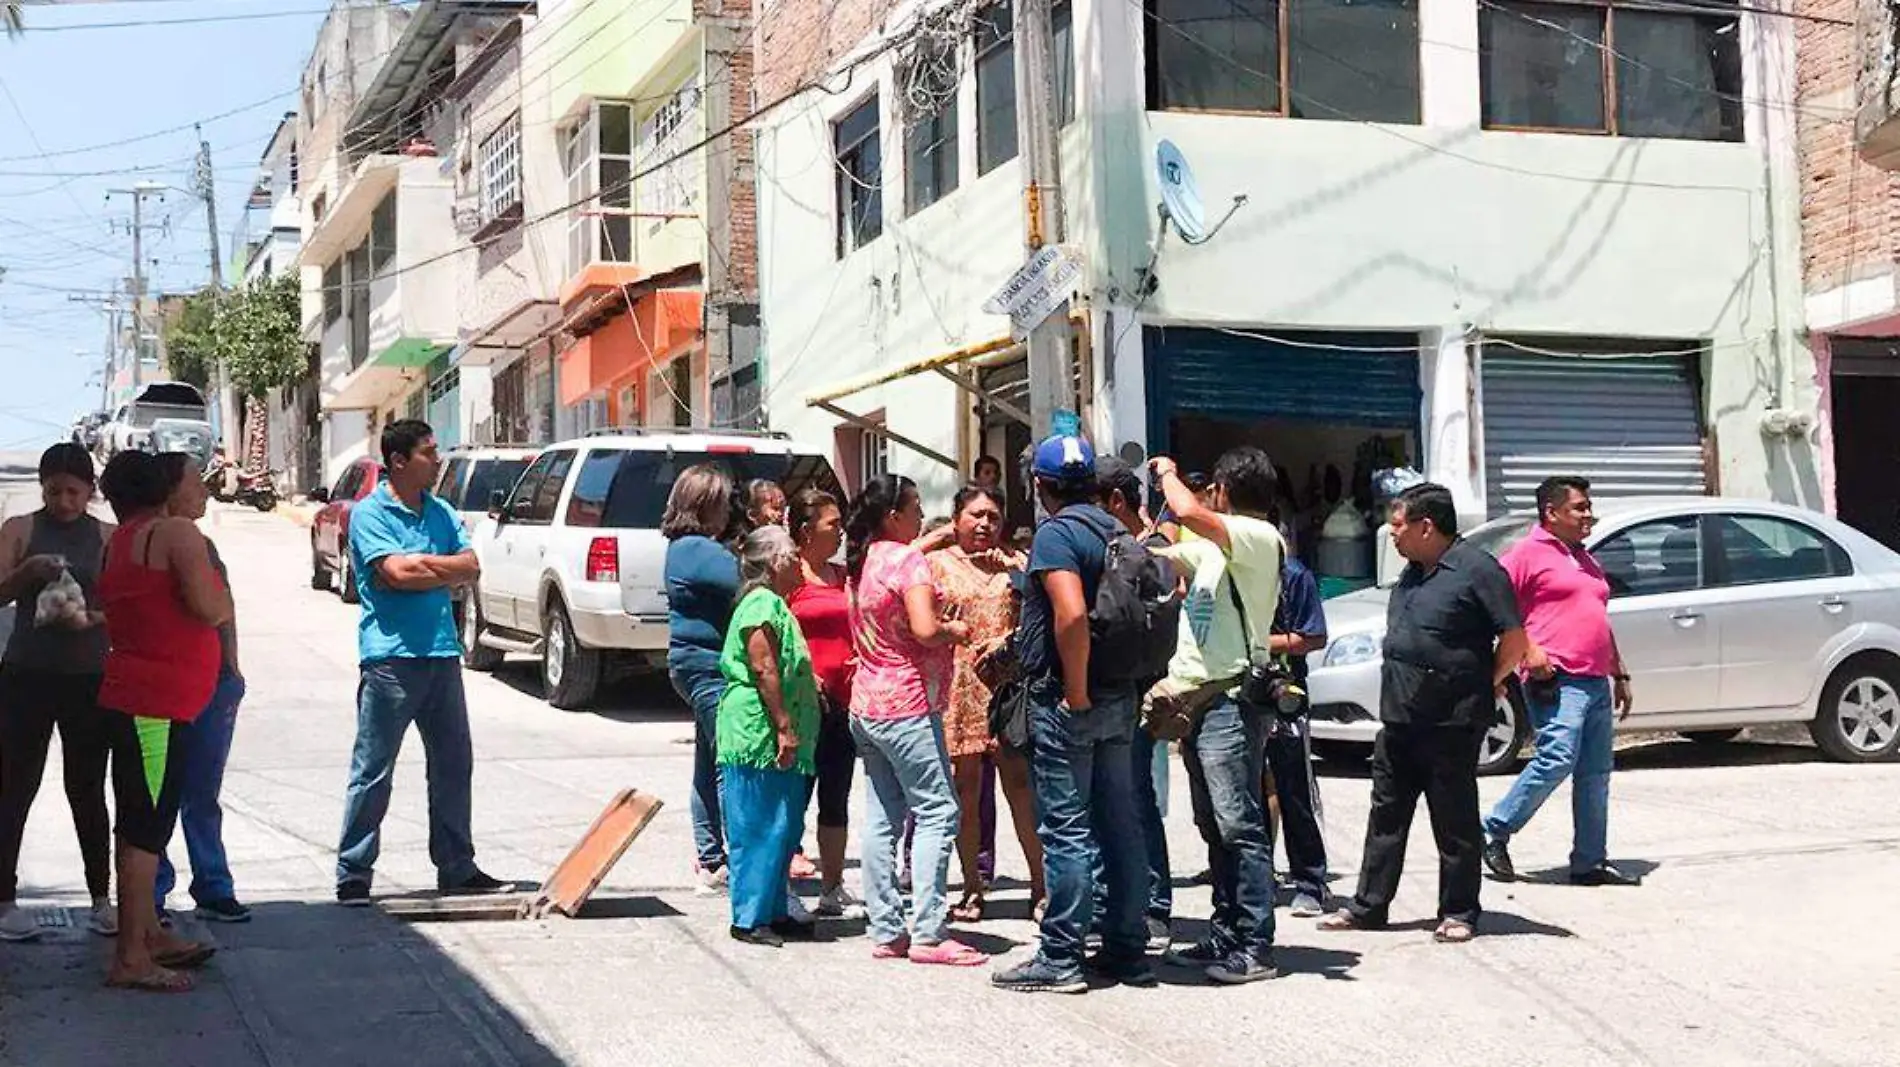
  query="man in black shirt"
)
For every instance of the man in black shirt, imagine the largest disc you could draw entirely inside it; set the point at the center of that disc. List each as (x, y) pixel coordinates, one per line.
(1299, 630)
(1453, 635)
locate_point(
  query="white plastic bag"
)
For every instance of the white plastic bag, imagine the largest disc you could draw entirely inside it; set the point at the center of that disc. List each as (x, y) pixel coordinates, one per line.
(62, 601)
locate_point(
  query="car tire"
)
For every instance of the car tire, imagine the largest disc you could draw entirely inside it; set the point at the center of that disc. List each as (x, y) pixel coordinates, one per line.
(475, 655)
(1343, 753)
(1505, 738)
(1712, 737)
(1859, 719)
(570, 674)
(319, 570)
(346, 582)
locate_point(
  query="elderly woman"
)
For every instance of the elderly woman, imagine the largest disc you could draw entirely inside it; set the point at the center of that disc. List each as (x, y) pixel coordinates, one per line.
(768, 736)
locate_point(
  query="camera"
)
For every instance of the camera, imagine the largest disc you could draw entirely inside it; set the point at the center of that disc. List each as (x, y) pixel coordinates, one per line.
(1273, 687)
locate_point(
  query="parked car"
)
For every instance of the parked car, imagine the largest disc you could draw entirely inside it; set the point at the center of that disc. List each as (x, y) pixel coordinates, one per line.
(572, 556)
(330, 530)
(1729, 613)
(472, 475)
(133, 425)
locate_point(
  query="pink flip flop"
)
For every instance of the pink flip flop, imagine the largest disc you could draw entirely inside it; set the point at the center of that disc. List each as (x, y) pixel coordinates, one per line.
(948, 954)
(892, 950)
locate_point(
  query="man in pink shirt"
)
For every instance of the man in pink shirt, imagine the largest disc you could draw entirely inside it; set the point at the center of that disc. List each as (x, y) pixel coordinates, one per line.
(1574, 684)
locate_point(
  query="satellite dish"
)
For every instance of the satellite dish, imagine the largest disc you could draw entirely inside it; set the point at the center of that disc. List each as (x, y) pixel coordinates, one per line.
(1180, 198)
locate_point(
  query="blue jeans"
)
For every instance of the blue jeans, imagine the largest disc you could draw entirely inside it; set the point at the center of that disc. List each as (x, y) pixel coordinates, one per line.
(765, 812)
(391, 694)
(1226, 759)
(1154, 835)
(1084, 776)
(907, 771)
(201, 774)
(701, 690)
(1574, 735)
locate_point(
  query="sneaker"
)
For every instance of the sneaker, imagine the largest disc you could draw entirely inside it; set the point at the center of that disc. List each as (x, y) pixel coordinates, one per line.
(1037, 975)
(762, 936)
(227, 910)
(712, 882)
(1200, 954)
(838, 903)
(478, 882)
(17, 925)
(1136, 973)
(1605, 874)
(794, 930)
(1160, 935)
(1241, 967)
(353, 894)
(104, 919)
(1497, 859)
(1307, 906)
(796, 911)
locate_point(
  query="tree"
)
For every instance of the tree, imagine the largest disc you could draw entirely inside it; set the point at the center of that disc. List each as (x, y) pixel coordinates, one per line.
(191, 345)
(259, 335)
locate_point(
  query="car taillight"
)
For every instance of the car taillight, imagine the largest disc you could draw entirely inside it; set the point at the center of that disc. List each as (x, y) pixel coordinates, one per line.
(603, 559)
(729, 450)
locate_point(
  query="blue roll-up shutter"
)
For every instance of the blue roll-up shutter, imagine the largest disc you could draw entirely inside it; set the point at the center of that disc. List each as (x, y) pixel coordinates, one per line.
(1361, 379)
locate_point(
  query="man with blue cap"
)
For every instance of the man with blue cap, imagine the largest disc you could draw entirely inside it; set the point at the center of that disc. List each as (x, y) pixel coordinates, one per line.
(1081, 728)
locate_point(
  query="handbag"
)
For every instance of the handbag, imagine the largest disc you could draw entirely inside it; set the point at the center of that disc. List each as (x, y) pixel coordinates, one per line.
(1009, 715)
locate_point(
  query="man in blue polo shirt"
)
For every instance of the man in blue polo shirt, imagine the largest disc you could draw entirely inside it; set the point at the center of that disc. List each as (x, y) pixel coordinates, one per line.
(407, 550)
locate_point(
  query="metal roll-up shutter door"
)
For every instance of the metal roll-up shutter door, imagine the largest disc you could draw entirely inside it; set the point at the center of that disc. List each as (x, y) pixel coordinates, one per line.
(1357, 379)
(1633, 426)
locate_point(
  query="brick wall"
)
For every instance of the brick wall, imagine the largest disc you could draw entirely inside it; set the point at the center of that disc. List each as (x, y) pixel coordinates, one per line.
(742, 195)
(798, 40)
(1850, 211)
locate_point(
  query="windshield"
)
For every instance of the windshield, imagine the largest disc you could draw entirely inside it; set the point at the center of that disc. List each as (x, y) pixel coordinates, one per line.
(488, 476)
(144, 414)
(1497, 537)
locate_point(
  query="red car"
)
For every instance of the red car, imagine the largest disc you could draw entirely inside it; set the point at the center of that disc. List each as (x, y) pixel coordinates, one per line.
(330, 531)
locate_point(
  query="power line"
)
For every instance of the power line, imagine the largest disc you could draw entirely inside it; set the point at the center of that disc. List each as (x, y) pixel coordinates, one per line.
(189, 20)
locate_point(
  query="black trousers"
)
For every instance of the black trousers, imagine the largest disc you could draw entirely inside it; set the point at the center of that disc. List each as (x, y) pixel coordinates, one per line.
(1297, 789)
(1439, 763)
(32, 703)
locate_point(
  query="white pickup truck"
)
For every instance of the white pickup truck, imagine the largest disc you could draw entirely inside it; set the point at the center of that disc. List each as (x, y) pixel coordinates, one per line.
(165, 416)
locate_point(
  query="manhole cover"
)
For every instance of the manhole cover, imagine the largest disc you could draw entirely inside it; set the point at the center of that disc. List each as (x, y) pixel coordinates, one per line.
(52, 918)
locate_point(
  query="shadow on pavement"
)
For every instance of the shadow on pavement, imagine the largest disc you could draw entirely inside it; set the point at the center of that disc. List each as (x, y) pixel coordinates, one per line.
(1664, 755)
(301, 984)
(1493, 924)
(644, 697)
(1332, 964)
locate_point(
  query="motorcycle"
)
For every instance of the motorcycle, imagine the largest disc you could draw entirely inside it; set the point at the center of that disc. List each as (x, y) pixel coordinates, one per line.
(252, 490)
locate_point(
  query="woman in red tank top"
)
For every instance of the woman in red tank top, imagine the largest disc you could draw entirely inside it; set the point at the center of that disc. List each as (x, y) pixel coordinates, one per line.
(163, 602)
(823, 611)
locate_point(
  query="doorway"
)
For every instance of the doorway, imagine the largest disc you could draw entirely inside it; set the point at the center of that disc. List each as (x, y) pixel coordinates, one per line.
(1866, 393)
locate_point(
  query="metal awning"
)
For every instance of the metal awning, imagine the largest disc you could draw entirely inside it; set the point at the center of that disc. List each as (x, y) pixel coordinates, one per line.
(403, 77)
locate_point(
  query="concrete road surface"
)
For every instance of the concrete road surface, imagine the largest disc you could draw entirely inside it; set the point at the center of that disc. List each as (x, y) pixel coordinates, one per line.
(1764, 933)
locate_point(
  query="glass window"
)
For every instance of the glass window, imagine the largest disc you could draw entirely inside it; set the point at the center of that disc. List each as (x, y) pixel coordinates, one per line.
(486, 478)
(643, 479)
(332, 293)
(860, 163)
(995, 45)
(1353, 59)
(1631, 70)
(587, 504)
(501, 170)
(1664, 556)
(521, 501)
(449, 483)
(1214, 55)
(1500, 536)
(930, 158)
(1757, 548)
(547, 492)
(382, 232)
(669, 182)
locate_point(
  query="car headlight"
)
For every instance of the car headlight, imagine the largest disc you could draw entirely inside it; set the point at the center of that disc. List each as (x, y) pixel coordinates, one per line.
(1352, 649)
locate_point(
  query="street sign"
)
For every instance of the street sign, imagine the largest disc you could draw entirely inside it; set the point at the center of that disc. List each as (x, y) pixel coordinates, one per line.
(1036, 290)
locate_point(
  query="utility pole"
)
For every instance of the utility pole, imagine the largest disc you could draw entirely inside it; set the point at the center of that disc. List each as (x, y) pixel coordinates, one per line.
(220, 382)
(1051, 346)
(138, 193)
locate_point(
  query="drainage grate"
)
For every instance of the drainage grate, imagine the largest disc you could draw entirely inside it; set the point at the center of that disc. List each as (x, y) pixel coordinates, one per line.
(52, 918)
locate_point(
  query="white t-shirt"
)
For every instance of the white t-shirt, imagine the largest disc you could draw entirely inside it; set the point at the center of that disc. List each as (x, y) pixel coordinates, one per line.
(1212, 643)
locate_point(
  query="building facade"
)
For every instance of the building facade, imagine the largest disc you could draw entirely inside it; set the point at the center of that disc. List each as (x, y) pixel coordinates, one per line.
(1475, 242)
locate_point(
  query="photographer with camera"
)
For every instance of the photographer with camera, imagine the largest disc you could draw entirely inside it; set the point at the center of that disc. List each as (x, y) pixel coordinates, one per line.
(1223, 691)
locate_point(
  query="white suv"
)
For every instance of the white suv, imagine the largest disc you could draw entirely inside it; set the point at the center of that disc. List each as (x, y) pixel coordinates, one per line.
(572, 557)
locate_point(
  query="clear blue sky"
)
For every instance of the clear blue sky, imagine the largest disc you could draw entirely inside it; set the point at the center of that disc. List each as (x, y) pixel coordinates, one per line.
(59, 235)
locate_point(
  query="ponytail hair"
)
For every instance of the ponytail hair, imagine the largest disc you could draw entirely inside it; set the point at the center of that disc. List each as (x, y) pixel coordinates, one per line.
(880, 497)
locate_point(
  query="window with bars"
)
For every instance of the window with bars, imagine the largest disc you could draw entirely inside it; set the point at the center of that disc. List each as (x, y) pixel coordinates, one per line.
(597, 158)
(669, 185)
(996, 79)
(859, 157)
(1355, 60)
(501, 170)
(874, 457)
(1630, 69)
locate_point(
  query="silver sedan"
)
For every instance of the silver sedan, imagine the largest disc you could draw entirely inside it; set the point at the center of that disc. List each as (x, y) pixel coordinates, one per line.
(1729, 613)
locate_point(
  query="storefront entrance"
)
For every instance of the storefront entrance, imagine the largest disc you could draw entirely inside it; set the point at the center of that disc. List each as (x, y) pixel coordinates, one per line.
(1865, 389)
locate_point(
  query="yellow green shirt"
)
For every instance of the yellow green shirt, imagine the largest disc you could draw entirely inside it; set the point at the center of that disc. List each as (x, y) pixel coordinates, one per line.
(747, 736)
(1212, 644)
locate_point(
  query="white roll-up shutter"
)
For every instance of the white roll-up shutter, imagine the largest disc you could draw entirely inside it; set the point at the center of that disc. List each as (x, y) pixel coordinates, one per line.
(1633, 426)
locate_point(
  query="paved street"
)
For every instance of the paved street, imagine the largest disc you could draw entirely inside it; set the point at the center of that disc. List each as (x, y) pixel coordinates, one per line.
(1761, 936)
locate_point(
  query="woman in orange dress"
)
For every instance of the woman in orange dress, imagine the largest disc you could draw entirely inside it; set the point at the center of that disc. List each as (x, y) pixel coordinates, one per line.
(973, 583)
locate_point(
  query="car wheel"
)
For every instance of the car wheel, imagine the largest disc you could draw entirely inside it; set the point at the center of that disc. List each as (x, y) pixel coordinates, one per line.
(569, 673)
(347, 587)
(1859, 721)
(475, 655)
(319, 570)
(1712, 737)
(1344, 753)
(1497, 752)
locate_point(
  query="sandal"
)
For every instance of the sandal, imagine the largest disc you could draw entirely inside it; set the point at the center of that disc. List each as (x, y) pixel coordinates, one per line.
(189, 958)
(157, 980)
(1038, 907)
(969, 910)
(1341, 921)
(892, 950)
(1454, 932)
(948, 953)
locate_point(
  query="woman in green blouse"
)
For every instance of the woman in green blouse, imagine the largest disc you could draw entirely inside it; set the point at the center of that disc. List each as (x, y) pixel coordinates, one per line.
(768, 731)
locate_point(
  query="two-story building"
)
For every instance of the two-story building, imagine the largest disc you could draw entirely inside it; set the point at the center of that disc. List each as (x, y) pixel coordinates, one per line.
(1489, 239)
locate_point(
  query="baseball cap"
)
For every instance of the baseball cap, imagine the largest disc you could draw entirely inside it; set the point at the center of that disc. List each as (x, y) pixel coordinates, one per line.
(1113, 474)
(1064, 459)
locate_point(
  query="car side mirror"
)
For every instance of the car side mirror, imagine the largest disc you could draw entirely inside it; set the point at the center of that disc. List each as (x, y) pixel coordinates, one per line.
(498, 505)
(320, 495)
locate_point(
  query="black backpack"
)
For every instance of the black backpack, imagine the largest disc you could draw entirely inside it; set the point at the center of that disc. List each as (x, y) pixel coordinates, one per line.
(1137, 611)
